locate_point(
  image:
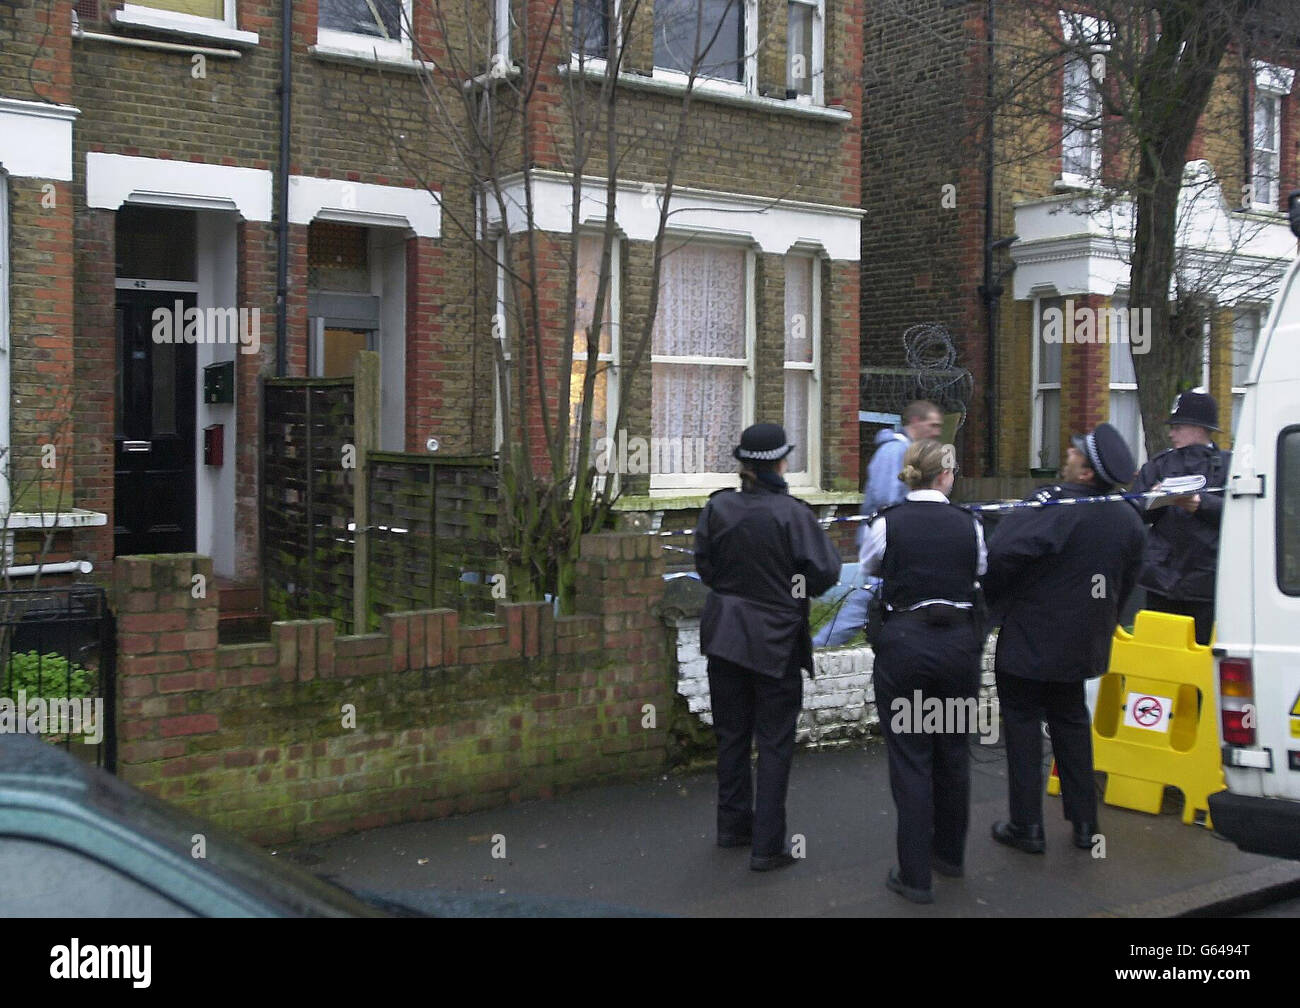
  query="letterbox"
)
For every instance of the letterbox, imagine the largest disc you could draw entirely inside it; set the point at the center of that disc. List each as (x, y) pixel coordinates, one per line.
(214, 444)
(219, 382)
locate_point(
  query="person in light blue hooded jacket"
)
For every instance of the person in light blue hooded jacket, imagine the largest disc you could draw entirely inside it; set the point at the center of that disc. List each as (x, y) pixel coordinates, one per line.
(921, 419)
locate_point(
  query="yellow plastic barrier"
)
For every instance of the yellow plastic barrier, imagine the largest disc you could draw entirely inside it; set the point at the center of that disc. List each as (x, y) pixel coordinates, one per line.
(1155, 720)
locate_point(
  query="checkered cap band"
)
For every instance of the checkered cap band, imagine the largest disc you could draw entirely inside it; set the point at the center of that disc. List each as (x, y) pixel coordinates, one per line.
(765, 456)
(1094, 457)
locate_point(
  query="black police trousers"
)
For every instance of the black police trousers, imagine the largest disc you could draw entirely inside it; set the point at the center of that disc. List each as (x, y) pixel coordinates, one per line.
(916, 666)
(1025, 704)
(748, 707)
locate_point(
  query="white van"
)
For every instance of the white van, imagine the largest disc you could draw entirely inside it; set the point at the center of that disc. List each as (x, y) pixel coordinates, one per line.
(1257, 611)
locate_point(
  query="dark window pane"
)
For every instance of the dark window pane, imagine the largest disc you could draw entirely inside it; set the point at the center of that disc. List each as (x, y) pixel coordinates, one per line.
(713, 29)
(1288, 513)
(357, 17)
(156, 244)
(590, 28)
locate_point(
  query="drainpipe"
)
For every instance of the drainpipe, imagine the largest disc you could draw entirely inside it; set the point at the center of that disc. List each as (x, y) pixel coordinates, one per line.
(282, 196)
(986, 290)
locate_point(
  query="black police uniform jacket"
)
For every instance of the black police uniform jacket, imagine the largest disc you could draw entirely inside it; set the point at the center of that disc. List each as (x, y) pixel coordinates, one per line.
(1057, 579)
(1183, 549)
(763, 555)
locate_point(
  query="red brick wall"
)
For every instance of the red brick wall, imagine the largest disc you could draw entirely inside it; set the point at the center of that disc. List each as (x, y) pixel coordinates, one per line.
(447, 718)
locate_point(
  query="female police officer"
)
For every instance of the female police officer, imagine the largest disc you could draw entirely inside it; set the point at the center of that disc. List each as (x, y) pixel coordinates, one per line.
(763, 555)
(928, 554)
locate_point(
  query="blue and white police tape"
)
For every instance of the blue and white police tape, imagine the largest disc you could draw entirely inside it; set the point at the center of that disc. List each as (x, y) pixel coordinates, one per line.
(1179, 486)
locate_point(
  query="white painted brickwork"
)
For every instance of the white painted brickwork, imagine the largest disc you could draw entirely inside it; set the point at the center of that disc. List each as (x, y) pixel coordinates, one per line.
(838, 706)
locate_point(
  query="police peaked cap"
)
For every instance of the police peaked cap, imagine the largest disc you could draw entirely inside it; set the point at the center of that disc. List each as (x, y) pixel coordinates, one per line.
(1107, 454)
(762, 442)
(1195, 408)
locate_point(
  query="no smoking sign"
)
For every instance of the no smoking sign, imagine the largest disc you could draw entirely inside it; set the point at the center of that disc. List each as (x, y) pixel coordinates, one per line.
(1145, 710)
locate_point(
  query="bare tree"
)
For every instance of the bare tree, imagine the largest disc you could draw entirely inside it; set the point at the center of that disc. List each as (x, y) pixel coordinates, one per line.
(490, 119)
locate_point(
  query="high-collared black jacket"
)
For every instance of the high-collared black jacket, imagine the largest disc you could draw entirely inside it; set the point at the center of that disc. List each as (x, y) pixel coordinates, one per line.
(764, 556)
(1183, 549)
(1058, 577)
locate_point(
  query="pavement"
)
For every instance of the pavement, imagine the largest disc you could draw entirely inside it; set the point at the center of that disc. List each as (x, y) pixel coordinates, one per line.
(648, 848)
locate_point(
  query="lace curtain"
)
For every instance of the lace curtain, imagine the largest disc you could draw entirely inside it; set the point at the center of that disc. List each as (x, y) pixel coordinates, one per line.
(697, 406)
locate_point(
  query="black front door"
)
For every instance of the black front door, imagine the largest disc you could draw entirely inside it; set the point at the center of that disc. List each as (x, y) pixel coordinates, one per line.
(153, 472)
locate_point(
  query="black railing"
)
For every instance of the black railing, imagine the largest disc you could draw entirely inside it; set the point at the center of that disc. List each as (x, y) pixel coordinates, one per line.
(58, 669)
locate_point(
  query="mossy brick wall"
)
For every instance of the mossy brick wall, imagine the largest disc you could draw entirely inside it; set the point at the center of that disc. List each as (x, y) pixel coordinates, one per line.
(449, 718)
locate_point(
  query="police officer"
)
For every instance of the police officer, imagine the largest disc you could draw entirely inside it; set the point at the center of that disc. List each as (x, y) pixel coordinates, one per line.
(763, 555)
(921, 419)
(1058, 577)
(928, 554)
(1183, 545)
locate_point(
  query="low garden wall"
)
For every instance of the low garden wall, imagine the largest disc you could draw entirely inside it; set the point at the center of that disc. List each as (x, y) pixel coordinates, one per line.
(314, 733)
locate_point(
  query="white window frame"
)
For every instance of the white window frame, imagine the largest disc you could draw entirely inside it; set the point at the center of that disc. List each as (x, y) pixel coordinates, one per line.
(1268, 200)
(1036, 387)
(1260, 315)
(1073, 122)
(1120, 345)
(225, 28)
(810, 439)
(498, 421)
(368, 45)
(671, 484)
(614, 43)
(749, 59)
(818, 55)
(612, 358)
(1271, 83)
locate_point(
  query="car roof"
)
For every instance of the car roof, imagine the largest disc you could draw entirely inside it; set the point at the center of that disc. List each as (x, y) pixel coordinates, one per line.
(40, 777)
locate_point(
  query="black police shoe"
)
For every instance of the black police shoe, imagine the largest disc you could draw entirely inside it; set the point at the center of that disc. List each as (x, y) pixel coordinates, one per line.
(895, 884)
(946, 867)
(734, 840)
(771, 862)
(1026, 838)
(1083, 834)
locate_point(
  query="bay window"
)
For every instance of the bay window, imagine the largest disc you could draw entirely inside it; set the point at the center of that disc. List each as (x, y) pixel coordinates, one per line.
(1046, 439)
(702, 356)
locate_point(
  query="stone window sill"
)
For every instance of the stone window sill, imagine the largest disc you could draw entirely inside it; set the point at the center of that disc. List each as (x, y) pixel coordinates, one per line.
(594, 70)
(201, 29)
(71, 518)
(360, 58)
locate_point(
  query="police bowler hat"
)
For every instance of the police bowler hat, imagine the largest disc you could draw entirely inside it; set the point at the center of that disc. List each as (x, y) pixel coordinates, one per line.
(762, 442)
(1107, 454)
(1195, 408)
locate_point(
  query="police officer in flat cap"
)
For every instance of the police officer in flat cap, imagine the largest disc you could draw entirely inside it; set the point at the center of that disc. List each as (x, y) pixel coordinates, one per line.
(763, 556)
(1183, 545)
(1058, 577)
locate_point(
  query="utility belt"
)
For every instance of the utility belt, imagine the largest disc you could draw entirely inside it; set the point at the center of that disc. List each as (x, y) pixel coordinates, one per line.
(937, 613)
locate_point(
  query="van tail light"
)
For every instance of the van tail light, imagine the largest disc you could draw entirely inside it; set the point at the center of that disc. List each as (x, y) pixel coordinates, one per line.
(1237, 701)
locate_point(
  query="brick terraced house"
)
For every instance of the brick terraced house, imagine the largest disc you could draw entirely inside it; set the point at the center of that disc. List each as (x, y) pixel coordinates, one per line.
(165, 173)
(1002, 245)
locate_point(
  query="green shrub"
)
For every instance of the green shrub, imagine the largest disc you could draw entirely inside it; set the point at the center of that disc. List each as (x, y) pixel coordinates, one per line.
(46, 676)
